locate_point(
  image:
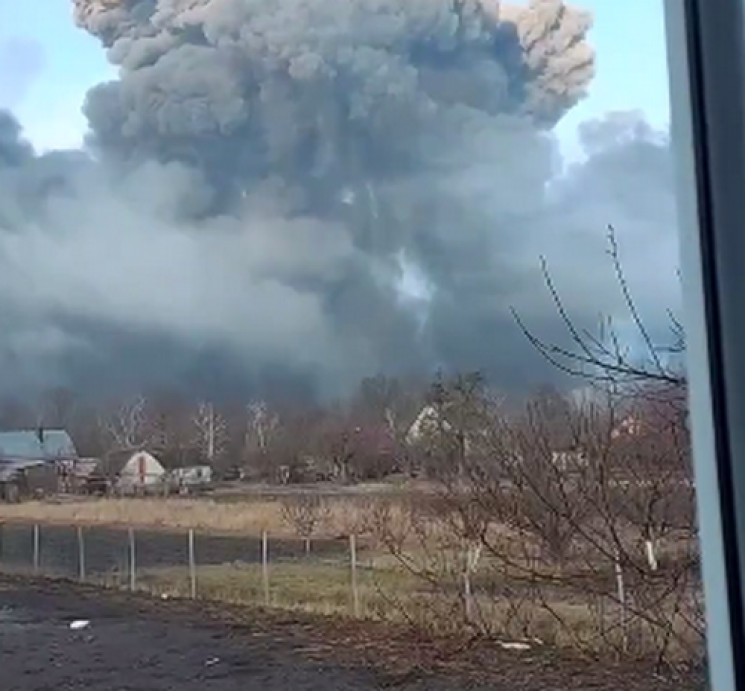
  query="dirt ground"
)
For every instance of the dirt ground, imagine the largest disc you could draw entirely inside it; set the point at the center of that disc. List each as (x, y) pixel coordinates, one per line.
(135, 643)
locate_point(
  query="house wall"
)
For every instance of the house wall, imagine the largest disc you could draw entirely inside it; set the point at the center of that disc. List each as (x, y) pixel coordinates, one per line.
(42, 479)
(29, 481)
(141, 471)
(194, 475)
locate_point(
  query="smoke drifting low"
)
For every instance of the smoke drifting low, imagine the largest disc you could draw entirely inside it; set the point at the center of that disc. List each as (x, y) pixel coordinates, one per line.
(296, 194)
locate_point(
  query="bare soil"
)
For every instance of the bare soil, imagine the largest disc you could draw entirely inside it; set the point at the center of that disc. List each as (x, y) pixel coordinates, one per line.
(136, 643)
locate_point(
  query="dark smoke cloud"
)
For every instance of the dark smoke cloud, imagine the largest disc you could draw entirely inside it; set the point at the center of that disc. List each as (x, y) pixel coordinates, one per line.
(263, 177)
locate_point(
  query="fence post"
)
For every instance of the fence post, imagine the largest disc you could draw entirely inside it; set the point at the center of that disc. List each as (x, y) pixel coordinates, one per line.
(81, 554)
(353, 565)
(621, 594)
(36, 548)
(265, 566)
(192, 565)
(132, 561)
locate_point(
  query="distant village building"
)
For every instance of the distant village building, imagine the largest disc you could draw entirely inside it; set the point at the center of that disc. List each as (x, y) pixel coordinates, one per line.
(27, 479)
(429, 421)
(192, 477)
(141, 473)
(82, 476)
(630, 426)
(32, 462)
(50, 445)
(569, 460)
(437, 442)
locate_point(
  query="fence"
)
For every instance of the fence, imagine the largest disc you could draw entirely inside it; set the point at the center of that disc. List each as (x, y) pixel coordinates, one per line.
(331, 576)
(434, 589)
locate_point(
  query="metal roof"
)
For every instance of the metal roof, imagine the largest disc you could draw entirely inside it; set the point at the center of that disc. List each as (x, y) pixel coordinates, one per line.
(47, 445)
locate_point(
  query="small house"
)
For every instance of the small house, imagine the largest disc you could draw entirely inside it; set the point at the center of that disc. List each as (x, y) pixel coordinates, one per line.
(50, 445)
(82, 475)
(569, 460)
(30, 461)
(26, 479)
(141, 473)
(191, 477)
(437, 432)
(429, 421)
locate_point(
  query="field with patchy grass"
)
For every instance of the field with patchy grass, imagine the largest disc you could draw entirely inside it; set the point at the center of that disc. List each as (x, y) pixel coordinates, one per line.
(138, 642)
(247, 517)
(414, 566)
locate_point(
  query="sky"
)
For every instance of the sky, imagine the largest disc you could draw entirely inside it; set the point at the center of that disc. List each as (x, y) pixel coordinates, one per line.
(47, 65)
(629, 40)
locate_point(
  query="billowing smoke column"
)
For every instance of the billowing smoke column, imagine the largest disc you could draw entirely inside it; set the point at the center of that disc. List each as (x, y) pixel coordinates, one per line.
(307, 190)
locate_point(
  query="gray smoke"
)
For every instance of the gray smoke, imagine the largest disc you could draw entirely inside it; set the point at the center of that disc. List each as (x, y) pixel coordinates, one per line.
(263, 177)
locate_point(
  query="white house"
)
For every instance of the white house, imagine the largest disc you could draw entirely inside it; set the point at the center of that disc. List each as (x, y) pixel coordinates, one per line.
(429, 421)
(192, 475)
(141, 472)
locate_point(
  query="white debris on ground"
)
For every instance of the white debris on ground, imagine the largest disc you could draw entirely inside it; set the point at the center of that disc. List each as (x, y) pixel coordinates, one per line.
(79, 624)
(514, 645)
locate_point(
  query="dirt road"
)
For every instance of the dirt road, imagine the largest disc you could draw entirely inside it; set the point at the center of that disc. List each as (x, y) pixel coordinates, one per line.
(139, 648)
(119, 652)
(136, 643)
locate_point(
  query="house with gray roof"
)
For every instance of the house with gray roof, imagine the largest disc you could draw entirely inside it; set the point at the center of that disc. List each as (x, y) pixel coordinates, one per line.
(32, 461)
(51, 445)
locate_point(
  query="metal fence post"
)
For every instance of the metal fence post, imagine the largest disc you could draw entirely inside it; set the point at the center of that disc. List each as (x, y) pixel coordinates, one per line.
(132, 561)
(81, 554)
(192, 565)
(265, 566)
(36, 548)
(353, 565)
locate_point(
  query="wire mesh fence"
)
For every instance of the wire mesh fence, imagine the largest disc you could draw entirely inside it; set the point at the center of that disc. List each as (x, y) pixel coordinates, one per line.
(320, 575)
(353, 577)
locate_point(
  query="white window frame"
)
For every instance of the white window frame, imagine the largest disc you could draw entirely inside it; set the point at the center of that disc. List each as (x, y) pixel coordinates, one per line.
(706, 62)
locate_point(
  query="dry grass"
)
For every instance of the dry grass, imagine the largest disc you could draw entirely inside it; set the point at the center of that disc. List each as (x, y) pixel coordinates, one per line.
(388, 591)
(391, 595)
(251, 517)
(320, 588)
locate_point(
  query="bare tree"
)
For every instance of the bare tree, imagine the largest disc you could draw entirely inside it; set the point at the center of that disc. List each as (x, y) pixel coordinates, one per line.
(128, 425)
(635, 480)
(570, 504)
(602, 357)
(305, 513)
(337, 441)
(261, 424)
(211, 432)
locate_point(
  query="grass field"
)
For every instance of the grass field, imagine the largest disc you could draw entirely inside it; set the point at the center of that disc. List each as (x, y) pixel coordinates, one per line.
(248, 517)
(424, 589)
(384, 593)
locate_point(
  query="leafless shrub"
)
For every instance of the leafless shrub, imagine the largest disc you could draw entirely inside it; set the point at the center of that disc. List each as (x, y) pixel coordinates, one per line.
(572, 519)
(305, 513)
(127, 425)
(627, 496)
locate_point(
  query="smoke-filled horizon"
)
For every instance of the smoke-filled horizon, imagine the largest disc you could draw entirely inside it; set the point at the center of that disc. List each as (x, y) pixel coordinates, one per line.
(298, 194)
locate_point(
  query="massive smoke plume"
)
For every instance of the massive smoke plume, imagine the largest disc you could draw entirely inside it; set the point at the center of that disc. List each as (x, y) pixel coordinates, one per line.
(303, 192)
